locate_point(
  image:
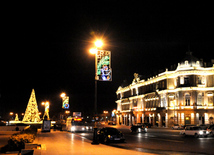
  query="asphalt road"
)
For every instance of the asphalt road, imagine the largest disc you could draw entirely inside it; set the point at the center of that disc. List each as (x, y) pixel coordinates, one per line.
(162, 141)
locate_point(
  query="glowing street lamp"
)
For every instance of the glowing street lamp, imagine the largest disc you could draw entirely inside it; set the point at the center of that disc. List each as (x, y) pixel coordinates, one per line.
(98, 43)
(62, 95)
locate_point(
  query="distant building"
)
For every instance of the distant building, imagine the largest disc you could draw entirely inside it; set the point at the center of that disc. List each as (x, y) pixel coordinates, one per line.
(182, 96)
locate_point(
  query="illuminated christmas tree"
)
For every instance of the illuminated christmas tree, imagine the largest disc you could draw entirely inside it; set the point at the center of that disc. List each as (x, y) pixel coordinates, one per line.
(32, 112)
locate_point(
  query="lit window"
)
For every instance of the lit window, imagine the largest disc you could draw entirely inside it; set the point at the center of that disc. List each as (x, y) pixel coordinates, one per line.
(187, 99)
(181, 80)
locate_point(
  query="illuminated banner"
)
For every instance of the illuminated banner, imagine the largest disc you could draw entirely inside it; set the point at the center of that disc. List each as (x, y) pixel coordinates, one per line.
(103, 60)
(65, 102)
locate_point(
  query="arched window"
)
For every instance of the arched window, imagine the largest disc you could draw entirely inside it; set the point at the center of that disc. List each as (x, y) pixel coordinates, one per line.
(187, 99)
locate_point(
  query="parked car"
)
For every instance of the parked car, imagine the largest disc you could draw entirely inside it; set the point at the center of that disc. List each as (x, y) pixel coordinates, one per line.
(138, 128)
(195, 131)
(147, 125)
(177, 126)
(109, 134)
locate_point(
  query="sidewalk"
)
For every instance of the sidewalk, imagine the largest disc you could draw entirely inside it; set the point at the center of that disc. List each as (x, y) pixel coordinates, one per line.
(65, 143)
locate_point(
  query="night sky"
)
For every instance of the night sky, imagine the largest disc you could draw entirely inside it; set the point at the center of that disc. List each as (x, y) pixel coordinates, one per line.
(46, 47)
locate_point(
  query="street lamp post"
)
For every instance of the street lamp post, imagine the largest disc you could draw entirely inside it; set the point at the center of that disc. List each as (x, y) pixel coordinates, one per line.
(98, 44)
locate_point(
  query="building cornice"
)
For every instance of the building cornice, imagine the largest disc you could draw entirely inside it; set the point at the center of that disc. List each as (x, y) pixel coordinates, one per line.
(168, 74)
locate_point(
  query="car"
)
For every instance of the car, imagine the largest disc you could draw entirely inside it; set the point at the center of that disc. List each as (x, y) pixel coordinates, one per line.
(195, 131)
(148, 125)
(109, 134)
(177, 127)
(138, 128)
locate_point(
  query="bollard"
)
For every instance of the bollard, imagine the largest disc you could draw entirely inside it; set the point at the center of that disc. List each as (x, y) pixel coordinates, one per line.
(95, 141)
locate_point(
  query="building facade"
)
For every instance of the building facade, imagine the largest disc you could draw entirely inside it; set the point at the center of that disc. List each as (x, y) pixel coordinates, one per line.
(182, 96)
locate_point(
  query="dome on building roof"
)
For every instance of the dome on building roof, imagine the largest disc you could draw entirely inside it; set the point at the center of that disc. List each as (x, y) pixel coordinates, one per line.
(190, 58)
(189, 61)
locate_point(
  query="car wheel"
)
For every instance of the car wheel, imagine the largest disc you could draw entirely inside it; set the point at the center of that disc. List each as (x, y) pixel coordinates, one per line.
(184, 134)
(196, 135)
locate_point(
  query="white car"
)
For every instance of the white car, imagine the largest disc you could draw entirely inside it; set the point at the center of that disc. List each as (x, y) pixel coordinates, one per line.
(195, 131)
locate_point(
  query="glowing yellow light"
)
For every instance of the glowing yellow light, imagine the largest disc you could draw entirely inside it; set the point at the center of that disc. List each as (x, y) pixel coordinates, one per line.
(98, 43)
(63, 95)
(93, 51)
(67, 112)
(105, 112)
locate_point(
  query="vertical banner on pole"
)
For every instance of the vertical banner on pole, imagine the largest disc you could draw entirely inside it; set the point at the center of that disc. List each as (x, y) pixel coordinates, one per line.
(65, 102)
(103, 69)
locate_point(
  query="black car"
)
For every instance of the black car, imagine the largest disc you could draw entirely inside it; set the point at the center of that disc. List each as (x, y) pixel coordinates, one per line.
(108, 134)
(148, 125)
(138, 128)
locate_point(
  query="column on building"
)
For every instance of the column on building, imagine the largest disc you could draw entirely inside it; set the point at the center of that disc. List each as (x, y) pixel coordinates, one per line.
(130, 120)
(197, 118)
(192, 118)
(182, 118)
(166, 119)
(143, 118)
(159, 120)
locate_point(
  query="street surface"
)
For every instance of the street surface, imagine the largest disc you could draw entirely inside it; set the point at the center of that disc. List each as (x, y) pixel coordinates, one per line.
(155, 141)
(66, 143)
(161, 141)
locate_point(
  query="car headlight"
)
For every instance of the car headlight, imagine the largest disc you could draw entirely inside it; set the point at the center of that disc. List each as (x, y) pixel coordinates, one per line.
(73, 128)
(200, 132)
(145, 129)
(207, 132)
(83, 128)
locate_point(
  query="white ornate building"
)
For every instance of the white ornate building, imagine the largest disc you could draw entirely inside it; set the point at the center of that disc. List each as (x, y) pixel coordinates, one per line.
(183, 96)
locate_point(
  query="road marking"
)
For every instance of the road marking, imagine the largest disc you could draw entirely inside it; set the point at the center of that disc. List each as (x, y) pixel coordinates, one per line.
(177, 141)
